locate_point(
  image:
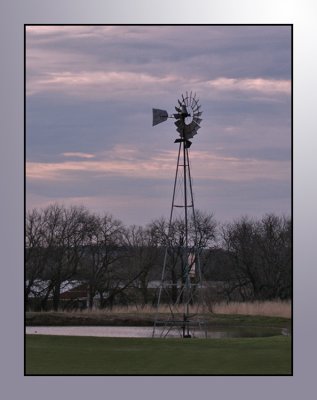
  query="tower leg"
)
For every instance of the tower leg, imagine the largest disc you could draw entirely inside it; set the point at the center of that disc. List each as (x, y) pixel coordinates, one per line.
(189, 283)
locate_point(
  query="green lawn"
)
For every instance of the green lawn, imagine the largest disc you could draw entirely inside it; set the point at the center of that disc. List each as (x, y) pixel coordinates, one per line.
(66, 355)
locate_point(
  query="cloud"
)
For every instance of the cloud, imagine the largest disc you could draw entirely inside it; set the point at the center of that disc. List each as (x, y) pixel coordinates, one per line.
(257, 85)
(99, 61)
(100, 84)
(78, 155)
(128, 162)
(152, 198)
(90, 90)
(97, 83)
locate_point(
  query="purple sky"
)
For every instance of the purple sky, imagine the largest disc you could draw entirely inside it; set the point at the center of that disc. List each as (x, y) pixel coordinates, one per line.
(89, 136)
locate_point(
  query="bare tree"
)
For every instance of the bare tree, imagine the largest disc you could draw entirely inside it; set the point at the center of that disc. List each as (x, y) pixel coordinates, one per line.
(204, 233)
(103, 251)
(63, 238)
(254, 259)
(34, 255)
(143, 254)
(171, 239)
(201, 236)
(274, 243)
(261, 257)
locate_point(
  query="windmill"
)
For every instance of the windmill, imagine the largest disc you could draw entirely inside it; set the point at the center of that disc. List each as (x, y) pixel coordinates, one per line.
(181, 280)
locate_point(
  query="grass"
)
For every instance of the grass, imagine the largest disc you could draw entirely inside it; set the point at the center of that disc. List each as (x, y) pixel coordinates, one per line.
(66, 355)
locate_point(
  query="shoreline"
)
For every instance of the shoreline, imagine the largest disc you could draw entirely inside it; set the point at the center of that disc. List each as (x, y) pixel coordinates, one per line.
(50, 318)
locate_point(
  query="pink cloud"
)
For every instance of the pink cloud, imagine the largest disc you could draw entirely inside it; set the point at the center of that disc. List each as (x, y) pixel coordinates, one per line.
(78, 155)
(257, 84)
(128, 162)
(92, 83)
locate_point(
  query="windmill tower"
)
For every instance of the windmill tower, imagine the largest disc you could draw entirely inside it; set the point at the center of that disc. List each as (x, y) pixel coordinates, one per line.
(181, 280)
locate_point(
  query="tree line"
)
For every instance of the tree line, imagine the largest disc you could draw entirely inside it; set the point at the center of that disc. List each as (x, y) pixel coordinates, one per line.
(250, 259)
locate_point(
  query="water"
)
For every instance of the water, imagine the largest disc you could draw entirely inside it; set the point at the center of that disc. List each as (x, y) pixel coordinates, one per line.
(136, 331)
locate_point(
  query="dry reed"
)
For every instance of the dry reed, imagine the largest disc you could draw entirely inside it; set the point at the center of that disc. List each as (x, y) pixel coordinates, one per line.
(266, 308)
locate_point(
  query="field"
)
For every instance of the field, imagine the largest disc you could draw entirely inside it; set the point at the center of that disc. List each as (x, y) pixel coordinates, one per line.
(66, 355)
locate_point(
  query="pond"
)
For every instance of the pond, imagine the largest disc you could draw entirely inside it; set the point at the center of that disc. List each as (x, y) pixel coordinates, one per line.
(137, 332)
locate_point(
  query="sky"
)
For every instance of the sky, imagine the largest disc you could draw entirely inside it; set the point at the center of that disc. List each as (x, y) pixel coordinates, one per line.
(90, 91)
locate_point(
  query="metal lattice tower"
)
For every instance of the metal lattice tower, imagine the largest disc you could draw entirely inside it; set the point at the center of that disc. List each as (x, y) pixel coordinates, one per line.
(181, 286)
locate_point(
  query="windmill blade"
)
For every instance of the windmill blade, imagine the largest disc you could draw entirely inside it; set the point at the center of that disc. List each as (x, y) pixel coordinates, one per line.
(190, 135)
(178, 109)
(179, 124)
(159, 116)
(190, 132)
(196, 125)
(176, 116)
(191, 127)
(184, 111)
(197, 120)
